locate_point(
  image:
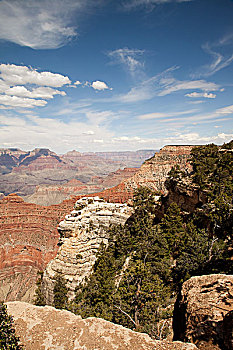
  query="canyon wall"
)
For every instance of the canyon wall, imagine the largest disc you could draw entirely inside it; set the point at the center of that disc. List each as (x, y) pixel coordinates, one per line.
(152, 174)
(81, 234)
(21, 171)
(29, 234)
(55, 194)
(28, 241)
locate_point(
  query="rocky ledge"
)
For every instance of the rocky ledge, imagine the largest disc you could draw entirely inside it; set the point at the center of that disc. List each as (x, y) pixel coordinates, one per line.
(204, 312)
(45, 327)
(81, 234)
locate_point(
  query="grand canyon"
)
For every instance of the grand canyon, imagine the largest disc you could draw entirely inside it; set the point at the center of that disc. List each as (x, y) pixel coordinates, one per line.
(64, 237)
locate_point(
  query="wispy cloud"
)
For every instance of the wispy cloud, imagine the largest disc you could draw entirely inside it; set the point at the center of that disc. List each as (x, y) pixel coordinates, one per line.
(201, 94)
(132, 4)
(220, 59)
(164, 84)
(172, 85)
(130, 58)
(195, 138)
(40, 24)
(155, 115)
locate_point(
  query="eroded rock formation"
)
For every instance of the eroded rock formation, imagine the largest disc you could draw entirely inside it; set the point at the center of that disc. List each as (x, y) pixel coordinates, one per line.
(152, 174)
(203, 314)
(44, 328)
(81, 234)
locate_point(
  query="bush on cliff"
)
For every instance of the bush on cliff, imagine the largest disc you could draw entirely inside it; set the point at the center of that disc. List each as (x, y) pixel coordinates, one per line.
(8, 339)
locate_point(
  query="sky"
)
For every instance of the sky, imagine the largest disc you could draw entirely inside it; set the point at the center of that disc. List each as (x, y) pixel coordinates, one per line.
(115, 75)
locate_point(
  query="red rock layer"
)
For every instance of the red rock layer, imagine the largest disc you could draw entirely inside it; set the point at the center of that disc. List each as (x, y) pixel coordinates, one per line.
(28, 241)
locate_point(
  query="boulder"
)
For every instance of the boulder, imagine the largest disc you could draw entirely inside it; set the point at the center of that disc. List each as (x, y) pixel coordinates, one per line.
(203, 312)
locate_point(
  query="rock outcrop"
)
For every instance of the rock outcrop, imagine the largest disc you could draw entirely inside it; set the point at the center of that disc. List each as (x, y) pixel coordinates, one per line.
(203, 313)
(154, 171)
(152, 174)
(81, 234)
(44, 328)
(28, 241)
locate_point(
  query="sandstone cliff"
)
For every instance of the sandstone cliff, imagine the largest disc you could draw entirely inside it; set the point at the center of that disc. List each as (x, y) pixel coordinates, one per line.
(81, 234)
(44, 328)
(152, 174)
(203, 313)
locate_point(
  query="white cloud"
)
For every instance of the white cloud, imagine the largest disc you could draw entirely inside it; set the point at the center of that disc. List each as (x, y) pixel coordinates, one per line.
(201, 94)
(21, 75)
(126, 138)
(16, 95)
(98, 141)
(88, 132)
(129, 58)
(77, 82)
(131, 4)
(43, 24)
(32, 131)
(195, 138)
(14, 101)
(41, 92)
(100, 85)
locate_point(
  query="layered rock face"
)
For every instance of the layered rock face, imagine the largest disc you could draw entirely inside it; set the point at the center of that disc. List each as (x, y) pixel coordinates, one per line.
(28, 241)
(22, 171)
(43, 328)
(48, 195)
(154, 171)
(203, 313)
(81, 234)
(152, 174)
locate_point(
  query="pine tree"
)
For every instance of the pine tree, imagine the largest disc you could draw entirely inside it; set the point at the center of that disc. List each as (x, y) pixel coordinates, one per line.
(172, 226)
(39, 296)
(60, 291)
(8, 339)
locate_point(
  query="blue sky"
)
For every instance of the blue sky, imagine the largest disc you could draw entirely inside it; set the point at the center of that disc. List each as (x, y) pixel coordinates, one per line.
(115, 75)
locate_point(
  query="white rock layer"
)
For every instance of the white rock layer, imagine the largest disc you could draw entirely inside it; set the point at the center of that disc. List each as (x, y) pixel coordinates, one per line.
(81, 234)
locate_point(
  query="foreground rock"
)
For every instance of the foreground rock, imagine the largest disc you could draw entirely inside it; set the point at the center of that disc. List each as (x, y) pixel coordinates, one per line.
(204, 314)
(44, 328)
(81, 234)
